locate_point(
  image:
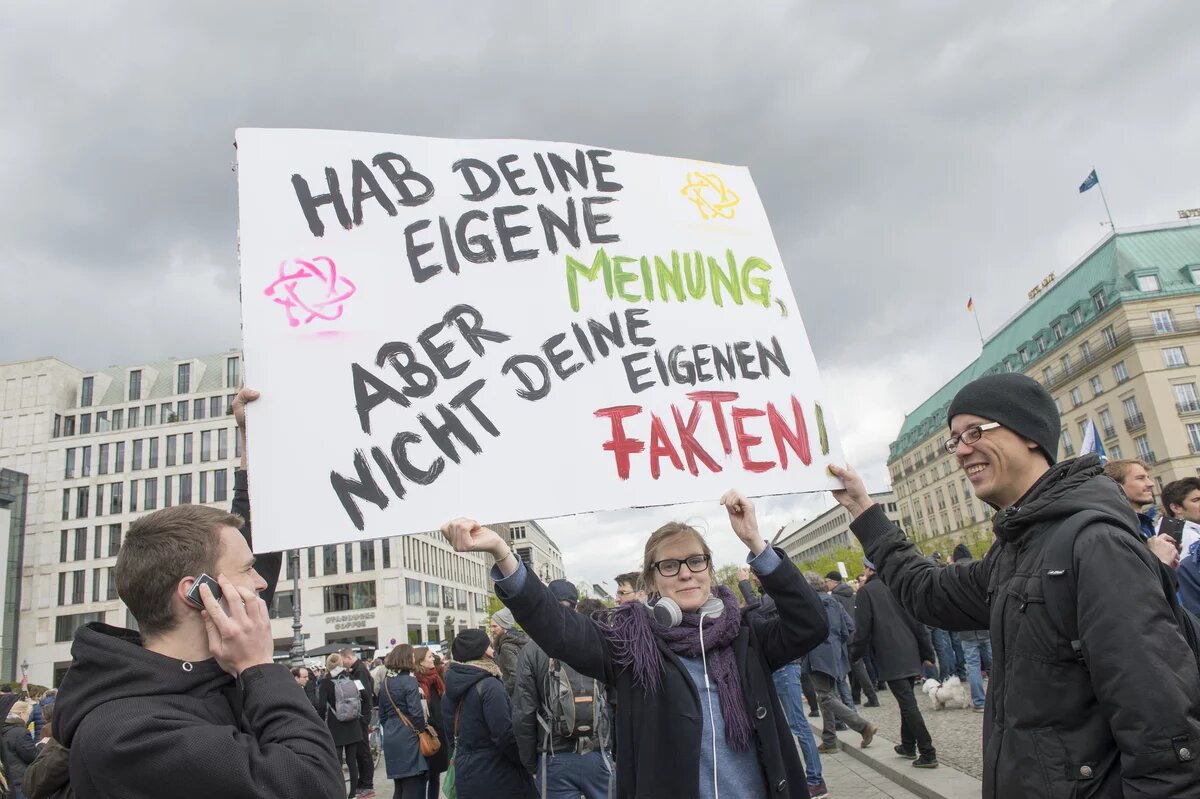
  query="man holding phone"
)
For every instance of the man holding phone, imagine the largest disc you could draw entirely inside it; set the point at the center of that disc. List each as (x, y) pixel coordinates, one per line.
(193, 705)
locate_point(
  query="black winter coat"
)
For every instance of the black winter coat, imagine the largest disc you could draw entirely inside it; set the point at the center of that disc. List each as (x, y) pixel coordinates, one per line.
(18, 750)
(508, 651)
(896, 641)
(844, 594)
(1126, 725)
(343, 733)
(49, 775)
(486, 763)
(441, 761)
(658, 732)
(137, 722)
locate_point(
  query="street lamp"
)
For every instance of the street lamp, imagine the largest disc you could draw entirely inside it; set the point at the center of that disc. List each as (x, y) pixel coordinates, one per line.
(297, 637)
(24, 669)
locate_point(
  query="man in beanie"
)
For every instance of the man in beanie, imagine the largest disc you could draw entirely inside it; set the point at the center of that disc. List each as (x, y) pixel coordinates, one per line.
(1098, 697)
(507, 643)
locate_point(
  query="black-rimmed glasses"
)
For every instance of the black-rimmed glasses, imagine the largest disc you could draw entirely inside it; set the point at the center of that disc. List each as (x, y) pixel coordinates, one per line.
(670, 567)
(968, 436)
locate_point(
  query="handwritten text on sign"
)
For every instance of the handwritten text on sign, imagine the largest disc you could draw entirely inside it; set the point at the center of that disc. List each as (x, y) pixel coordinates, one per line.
(510, 330)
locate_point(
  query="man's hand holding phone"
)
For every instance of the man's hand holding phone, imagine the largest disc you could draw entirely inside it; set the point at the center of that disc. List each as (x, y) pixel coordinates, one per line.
(240, 637)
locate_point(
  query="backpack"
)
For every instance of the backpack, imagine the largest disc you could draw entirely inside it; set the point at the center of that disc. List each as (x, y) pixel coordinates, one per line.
(1059, 587)
(347, 702)
(571, 702)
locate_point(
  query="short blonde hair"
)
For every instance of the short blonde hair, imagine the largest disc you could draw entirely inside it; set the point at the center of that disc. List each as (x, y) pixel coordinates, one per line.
(21, 709)
(332, 662)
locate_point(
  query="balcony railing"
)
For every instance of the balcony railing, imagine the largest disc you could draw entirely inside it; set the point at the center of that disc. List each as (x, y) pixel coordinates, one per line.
(1150, 457)
(1135, 422)
(1110, 432)
(1191, 406)
(1120, 339)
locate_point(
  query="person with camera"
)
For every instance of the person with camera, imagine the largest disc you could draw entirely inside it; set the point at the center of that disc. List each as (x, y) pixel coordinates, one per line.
(697, 713)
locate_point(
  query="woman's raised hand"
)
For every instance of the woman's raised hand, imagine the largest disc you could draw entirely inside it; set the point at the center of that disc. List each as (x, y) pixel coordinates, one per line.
(468, 535)
(743, 520)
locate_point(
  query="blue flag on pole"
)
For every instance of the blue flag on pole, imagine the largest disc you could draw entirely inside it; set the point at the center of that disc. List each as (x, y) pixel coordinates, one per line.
(1091, 442)
(1088, 182)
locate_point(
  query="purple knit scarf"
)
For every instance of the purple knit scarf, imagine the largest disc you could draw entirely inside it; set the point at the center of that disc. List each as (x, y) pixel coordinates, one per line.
(632, 632)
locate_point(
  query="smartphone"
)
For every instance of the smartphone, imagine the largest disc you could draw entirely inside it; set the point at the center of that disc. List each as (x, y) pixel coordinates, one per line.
(193, 594)
(1173, 528)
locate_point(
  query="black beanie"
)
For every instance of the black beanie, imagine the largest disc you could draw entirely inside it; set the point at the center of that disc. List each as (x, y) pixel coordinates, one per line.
(961, 552)
(1018, 402)
(835, 576)
(470, 644)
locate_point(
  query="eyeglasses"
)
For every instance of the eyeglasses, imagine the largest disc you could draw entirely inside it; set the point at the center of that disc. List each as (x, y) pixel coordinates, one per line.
(670, 567)
(968, 436)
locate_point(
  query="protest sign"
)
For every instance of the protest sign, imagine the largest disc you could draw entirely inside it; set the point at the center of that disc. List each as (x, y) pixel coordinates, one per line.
(510, 330)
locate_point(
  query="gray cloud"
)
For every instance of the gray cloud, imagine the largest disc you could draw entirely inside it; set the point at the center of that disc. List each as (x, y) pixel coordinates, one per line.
(909, 156)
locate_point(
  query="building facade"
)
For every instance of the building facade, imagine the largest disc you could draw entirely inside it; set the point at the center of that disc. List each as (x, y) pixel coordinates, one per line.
(85, 453)
(537, 550)
(829, 532)
(1115, 339)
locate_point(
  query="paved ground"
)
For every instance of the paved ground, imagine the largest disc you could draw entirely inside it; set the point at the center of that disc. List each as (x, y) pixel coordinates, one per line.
(845, 777)
(957, 734)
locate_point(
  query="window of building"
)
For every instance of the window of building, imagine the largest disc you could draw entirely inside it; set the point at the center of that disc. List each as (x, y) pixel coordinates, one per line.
(85, 461)
(220, 485)
(102, 459)
(1058, 405)
(432, 595)
(215, 411)
(202, 490)
(349, 596)
(1174, 357)
(102, 425)
(1097, 386)
(1143, 448)
(412, 591)
(148, 415)
(1059, 331)
(168, 490)
(118, 418)
(1048, 375)
(1098, 300)
(1120, 372)
(85, 424)
(232, 377)
(1147, 283)
(1077, 317)
(85, 392)
(285, 605)
(1076, 397)
(133, 496)
(329, 559)
(136, 456)
(172, 447)
(100, 499)
(1162, 321)
(183, 378)
(447, 596)
(386, 543)
(1193, 434)
(135, 417)
(460, 599)
(187, 447)
(222, 444)
(69, 426)
(205, 446)
(1114, 452)
(1066, 364)
(1083, 425)
(1085, 350)
(312, 561)
(82, 498)
(152, 455)
(185, 489)
(366, 555)
(150, 494)
(116, 500)
(181, 411)
(1132, 411)
(135, 385)
(1024, 355)
(1185, 397)
(1041, 343)
(198, 409)
(65, 626)
(69, 467)
(349, 553)
(119, 457)
(1110, 337)
(56, 431)
(114, 539)
(96, 585)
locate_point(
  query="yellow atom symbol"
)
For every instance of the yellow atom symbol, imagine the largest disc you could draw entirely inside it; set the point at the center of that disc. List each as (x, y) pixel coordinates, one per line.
(711, 195)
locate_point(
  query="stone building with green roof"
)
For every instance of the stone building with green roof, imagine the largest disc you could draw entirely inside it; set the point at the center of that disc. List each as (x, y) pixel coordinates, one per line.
(1115, 338)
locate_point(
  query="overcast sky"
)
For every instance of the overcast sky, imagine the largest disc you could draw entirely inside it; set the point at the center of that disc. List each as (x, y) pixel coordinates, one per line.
(908, 159)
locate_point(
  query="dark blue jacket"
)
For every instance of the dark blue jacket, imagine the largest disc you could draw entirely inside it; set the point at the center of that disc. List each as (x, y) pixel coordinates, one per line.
(401, 748)
(486, 762)
(829, 657)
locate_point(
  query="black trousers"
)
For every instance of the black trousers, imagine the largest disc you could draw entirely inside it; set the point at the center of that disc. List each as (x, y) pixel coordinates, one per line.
(366, 769)
(860, 683)
(347, 752)
(912, 724)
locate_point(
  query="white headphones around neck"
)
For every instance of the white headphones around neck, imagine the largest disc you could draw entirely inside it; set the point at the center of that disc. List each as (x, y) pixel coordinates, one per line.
(667, 613)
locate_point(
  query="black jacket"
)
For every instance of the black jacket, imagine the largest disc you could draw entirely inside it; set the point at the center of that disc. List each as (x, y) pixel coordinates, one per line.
(486, 763)
(508, 651)
(49, 775)
(1117, 728)
(139, 723)
(896, 641)
(343, 733)
(658, 732)
(16, 746)
(844, 594)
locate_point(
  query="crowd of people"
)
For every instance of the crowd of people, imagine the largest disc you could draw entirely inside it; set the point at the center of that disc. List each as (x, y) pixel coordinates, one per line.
(684, 688)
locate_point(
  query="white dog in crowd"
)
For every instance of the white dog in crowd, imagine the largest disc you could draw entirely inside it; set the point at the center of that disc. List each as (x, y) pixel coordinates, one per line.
(952, 693)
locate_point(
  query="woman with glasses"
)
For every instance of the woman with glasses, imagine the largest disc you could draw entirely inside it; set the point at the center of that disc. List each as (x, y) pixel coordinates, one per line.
(696, 708)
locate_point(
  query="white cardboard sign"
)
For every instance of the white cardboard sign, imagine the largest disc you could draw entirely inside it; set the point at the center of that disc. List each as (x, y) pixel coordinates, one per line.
(509, 330)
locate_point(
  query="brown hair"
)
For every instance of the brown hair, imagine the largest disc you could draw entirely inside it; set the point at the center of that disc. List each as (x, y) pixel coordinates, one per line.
(661, 536)
(632, 579)
(1119, 470)
(400, 658)
(162, 548)
(418, 656)
(1175, 492)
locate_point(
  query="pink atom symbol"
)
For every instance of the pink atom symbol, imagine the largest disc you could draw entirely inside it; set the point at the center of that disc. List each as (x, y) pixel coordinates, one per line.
(325, 290)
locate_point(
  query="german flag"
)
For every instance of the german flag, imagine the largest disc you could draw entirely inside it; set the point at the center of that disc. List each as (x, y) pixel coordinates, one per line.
(970, 303)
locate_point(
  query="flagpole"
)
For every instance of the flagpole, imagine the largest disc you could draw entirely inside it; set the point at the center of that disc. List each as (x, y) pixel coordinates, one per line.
(975, 314)
(1105, 201)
